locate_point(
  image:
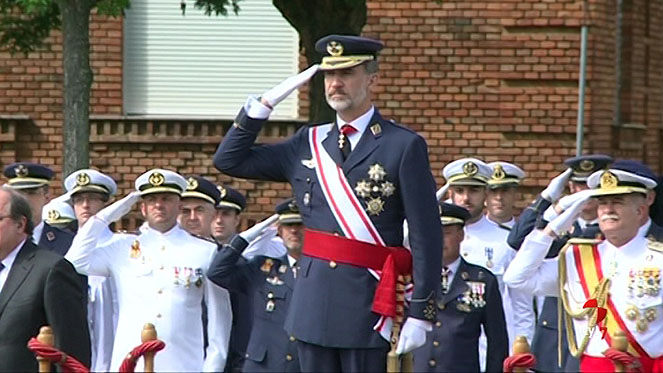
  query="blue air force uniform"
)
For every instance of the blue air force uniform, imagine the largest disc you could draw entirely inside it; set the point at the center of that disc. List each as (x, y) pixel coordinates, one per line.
(472, 300)
(331, 304)
(24, 177)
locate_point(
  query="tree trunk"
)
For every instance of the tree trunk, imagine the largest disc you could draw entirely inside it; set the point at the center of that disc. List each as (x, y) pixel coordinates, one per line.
(77, 83)
(313, 20)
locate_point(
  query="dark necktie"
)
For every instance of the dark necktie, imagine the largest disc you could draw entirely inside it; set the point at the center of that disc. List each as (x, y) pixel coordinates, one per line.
(343, 141)
(445, 279)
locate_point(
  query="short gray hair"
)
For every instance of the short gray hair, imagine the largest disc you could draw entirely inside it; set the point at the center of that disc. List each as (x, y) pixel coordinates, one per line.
(19, 207)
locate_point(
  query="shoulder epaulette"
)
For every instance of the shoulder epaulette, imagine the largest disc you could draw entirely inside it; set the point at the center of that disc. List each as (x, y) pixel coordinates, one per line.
(504, 226)
(585, 241)
(654, 244)
(208, 239)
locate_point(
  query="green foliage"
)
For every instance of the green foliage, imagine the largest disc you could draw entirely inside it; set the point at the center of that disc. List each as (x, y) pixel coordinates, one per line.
(24, 24)
(217, 7)
(113, 8)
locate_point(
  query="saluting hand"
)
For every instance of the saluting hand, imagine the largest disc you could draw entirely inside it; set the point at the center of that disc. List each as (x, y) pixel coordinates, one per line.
(554, 190)
(119, 208)
(277, 94)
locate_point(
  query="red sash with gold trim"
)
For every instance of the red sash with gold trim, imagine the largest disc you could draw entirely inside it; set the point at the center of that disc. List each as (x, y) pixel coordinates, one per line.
(588, 266)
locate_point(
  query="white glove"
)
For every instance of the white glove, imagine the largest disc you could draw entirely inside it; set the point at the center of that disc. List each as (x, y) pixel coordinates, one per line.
(413, 335)
(441, 192)
(281, 91)
(554, 190)
(564, 203)
(255, 231)
(119, 208)
(565, 220)
(63, 198)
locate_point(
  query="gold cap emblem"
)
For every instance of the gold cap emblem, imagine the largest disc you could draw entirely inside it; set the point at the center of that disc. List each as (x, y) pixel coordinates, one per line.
(21, 170)
(53, 215)
(191, 184)
(223, 191)
(293, 206)
(498, 172)
(156, 179)
(587, 165)
(82, 179)
(470, 169)
(608, 180)
(335, 48)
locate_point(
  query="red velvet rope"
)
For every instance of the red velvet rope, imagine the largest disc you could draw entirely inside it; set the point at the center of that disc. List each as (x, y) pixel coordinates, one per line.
(67, 363)
(129, 363)
(519, 361)
(630, 362)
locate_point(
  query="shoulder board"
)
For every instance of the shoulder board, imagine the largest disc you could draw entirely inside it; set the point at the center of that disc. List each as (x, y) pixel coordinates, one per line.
(504, 226)
(654, 244)
(208, 239)
(583, 241)
(135, 233)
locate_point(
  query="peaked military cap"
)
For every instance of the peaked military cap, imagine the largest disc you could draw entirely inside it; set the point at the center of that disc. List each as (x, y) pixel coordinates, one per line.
(467, 171)
(346, 51)
(160, 181)
(629, 177)
(231, 198)
(584, 165)
(58, 212)
(89, 180)
(288, 212)
(201, 188)
(26, 175)
(504, 174)
(453, 214)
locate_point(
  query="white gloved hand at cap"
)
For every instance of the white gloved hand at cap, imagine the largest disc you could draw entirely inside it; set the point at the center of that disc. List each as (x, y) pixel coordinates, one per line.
(255, 231)
(283, 89)
(119, 208)
(565, 220)
(413, 335)
(554, 190)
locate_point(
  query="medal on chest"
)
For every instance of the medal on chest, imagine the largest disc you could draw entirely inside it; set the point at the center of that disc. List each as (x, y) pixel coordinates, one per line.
(375, 189)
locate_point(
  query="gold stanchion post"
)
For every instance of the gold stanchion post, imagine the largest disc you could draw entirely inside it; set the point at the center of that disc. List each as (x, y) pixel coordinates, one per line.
(619, 343)
(520, 346)
(45, 336)
(149, 333)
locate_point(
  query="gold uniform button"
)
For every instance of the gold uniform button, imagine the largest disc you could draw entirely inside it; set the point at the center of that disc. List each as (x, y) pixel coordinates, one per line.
(544, 323)
(158, 315)
(292, 338)
(436, 344)
(438, 324)
(270, 295)
(288, 357)
(332, 264)
(432, 363)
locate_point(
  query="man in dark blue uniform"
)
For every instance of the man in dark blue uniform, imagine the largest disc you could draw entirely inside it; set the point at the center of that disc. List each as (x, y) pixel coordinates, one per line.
(544, 344)
(470, 299)
(270, 281)
(31, 180)
(355, 181)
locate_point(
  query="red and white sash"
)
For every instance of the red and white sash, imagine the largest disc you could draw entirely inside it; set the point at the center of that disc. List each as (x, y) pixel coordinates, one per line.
(342, 201)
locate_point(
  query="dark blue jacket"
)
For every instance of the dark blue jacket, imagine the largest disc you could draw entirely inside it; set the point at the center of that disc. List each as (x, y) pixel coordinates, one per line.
(55, 239)
(270, 282)
(453, 345)
(341, 297)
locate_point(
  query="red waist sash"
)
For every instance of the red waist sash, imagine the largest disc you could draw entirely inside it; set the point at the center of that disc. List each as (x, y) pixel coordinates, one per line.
(391, 261)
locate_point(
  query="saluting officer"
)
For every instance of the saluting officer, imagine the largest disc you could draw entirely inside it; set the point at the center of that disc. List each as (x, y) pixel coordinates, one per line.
(621, 272)
(89, 190)
(270, 281)
(547, 205)
(355, 180)
(470, 300)
(32, 181)
(160, 277)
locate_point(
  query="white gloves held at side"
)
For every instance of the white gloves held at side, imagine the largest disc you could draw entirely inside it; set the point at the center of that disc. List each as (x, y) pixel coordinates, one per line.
(413, 335)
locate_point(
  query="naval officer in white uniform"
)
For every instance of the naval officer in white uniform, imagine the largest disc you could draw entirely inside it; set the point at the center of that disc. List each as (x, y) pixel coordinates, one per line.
(160, 278)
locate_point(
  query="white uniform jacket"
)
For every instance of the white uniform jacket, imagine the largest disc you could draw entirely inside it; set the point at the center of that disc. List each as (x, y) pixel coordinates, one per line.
(160, 279)
(637, 298)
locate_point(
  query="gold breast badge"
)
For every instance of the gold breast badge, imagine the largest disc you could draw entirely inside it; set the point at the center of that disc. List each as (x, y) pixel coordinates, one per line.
(135, 250)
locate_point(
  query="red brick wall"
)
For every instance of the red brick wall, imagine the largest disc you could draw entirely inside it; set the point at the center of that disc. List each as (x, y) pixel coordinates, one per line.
(492, 79)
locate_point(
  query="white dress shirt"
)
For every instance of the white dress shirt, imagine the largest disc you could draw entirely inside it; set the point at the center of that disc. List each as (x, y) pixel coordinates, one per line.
(36, 232)
(360, 124)
(7, 262)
